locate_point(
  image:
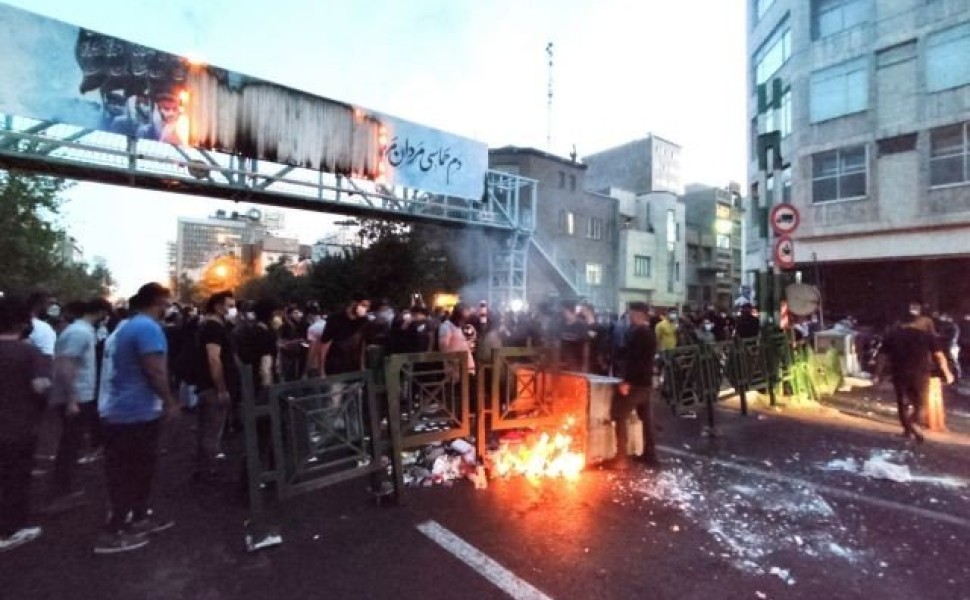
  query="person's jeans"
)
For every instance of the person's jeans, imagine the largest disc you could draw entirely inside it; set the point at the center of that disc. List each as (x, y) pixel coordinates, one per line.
(637, 400)
(73, 428)
(16, 460)
(213, 416)
(130, 458)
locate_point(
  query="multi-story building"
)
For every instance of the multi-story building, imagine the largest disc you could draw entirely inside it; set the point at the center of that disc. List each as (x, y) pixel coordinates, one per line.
(651, 164)
(572, 254)
(650, 248)
(269, 251)
(860, 117)
(714, 232)
(198, 241)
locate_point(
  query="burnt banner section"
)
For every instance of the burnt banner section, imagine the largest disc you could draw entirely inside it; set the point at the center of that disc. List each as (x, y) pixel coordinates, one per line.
(54, 71)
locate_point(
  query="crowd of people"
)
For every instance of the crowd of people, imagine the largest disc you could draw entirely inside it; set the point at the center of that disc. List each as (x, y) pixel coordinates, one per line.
(108, 376)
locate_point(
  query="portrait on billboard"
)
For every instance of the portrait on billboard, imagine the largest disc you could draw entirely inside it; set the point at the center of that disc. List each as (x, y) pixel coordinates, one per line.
(138, 88)
(57, 72)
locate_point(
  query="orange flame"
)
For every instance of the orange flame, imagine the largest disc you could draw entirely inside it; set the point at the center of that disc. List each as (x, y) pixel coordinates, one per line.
(547, 456)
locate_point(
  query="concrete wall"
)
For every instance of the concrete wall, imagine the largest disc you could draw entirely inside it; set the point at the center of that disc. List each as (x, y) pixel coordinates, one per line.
(645, 165)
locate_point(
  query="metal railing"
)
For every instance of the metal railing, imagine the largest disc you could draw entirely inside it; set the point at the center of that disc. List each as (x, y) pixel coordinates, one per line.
(306, 435)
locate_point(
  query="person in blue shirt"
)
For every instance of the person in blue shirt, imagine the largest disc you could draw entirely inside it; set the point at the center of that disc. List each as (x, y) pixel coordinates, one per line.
(136, 397)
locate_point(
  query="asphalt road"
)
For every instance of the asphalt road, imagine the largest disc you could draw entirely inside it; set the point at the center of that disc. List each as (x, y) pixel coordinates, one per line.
(752, 513)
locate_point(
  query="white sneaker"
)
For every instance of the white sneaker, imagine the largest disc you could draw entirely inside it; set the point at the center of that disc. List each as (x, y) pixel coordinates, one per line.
(24, 536)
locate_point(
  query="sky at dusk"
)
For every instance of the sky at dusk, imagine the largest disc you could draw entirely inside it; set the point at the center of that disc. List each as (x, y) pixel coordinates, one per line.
(623, 68)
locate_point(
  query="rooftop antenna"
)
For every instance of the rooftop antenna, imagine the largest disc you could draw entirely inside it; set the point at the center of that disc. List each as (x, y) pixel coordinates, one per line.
(549, 100)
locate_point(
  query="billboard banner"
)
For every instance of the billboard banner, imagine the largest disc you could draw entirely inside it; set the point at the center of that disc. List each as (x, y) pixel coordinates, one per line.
(54, 71)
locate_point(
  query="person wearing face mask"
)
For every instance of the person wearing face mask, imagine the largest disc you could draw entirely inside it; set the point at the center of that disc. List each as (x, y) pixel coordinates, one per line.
(342, 343)
(218, 379)
(73, 395)
(705, 331)
(131, 405)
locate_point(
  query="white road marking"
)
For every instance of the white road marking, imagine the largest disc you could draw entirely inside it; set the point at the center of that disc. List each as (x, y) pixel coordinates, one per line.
(502, 578)
(825, 489)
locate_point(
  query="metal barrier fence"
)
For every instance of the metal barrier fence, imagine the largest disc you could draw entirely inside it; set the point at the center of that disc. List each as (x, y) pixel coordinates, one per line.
(428, 396)
(695, 375)
(524, 388)
(306, 435)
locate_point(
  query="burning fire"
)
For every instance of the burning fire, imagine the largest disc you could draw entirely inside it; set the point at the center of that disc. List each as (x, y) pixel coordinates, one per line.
(541, 455)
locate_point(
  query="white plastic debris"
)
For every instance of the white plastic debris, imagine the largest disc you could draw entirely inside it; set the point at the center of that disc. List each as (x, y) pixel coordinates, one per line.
(783, 574)
(761, 595)
(878, 467)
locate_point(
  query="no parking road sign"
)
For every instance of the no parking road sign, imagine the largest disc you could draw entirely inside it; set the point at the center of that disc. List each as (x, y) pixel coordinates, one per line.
(784, 219)
(785, 252)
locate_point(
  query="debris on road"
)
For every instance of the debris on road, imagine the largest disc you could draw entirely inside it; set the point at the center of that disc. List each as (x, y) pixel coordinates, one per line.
(783, 574)
(438, 464)
(887, 464)
(752, 519)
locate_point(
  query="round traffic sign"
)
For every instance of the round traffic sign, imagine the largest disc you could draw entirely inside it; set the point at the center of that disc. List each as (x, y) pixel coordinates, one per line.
(784, 219)
(785, 252)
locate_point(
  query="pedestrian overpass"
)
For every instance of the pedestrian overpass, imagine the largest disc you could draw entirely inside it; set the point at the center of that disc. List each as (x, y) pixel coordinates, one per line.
(92, 107)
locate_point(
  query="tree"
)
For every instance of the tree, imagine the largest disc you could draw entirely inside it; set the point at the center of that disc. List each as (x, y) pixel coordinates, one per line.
(395, 261)
(29, 240)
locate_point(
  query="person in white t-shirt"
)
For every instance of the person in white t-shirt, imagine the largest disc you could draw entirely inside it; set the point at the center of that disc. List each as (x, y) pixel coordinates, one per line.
(42, 335)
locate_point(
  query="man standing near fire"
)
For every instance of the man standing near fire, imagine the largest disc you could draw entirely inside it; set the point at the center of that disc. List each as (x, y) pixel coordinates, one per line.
(633, 393)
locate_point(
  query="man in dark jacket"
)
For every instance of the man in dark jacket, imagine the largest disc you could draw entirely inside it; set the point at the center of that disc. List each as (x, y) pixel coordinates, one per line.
(911, 352)
(634, 392)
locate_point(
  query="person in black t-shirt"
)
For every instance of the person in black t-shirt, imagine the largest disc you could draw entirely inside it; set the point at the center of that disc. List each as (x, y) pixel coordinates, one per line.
(633, 394)
(257, 345)
(912, 352)
(215, 381)
(343, 339)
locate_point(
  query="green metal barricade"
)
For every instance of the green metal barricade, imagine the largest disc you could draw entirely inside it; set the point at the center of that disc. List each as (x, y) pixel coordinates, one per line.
(428, 396)
(306, 435)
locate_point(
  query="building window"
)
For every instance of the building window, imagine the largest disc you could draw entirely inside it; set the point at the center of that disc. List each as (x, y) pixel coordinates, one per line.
(840, 90)
(832, 16)
(567, 222)
(641, 266)
(949, 155)
(594, 274)
(594, 228)
(839, 174)
(761, 7)
(946, 58)
(780, 119)
(562, 180)
(677, 272)
(785, 126)
(772, 54)
(572, 183)
(723, 241)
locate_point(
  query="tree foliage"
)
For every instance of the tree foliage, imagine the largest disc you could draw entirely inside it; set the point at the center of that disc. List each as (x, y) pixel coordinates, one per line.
(29, 239)
(395, 262)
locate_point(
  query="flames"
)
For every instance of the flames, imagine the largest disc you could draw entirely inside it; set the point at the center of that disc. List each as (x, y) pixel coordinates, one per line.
(539, 455)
